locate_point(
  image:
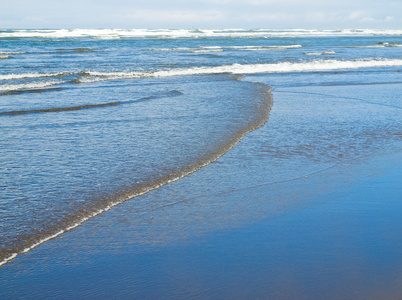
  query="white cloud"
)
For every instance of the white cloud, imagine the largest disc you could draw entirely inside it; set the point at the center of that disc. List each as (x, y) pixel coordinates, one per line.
(278, 17)
(323, 14)
(257, 2)
(355, 15)
(175, 16)
(389, 19)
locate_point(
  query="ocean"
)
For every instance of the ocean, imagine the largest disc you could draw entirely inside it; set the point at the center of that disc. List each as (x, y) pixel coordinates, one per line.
(90, 119)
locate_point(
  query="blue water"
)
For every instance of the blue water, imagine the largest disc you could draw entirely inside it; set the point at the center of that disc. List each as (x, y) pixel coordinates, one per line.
(93, 118)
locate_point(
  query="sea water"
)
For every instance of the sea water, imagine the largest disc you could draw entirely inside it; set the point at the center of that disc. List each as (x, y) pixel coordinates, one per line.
(92, 118)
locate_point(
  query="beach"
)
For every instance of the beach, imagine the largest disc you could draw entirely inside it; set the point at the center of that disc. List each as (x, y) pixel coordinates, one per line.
(309, 219)
(191, 164)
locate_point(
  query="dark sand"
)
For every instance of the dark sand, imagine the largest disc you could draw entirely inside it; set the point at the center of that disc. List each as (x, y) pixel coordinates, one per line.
(307, 207)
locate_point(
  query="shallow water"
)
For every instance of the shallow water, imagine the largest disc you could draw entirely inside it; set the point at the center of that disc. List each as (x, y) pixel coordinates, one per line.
(89, 119)
(303, 223)
(62, 166)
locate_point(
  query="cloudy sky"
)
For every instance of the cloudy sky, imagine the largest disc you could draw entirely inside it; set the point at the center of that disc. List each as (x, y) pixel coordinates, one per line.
(271, 14)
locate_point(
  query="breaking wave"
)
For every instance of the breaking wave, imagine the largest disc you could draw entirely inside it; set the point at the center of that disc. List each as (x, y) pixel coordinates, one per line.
(280, 67)
(32, 87)
(221, 48)
(10, 53)
(320, 53)
(379, 45)
(32, 75)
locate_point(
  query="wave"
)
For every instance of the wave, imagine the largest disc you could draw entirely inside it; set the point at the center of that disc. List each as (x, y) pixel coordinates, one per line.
(36, 90)
(79, 50)
(178, 33)
(205, 50)
(10, 53)
(259, 48)
(32, 75)
(379, 45)
(58, 109)
(386, 44)
(68, 50)
(6, 89)
(87, 106)
(279, 67)
(6, 54)
(320, 53)
(220, 49)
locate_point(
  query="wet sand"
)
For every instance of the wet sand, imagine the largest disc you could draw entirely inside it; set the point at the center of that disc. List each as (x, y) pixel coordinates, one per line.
(306, 207)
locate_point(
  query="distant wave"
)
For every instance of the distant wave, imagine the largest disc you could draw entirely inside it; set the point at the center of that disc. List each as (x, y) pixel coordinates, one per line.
(257, 48)
(68, 50)
(320, 53)
(175, 33)
(386, 44)
(379, 45)
(221, 48)
(6, 54)
(10, 53)
(76, 50)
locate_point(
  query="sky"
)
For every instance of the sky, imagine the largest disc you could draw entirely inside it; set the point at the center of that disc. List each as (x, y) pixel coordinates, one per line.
(203, 14)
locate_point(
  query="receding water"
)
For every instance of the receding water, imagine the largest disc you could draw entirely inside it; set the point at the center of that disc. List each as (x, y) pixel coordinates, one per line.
(90, 119)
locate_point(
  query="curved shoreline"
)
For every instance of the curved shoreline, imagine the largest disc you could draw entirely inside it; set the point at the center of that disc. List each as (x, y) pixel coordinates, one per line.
(262, 108)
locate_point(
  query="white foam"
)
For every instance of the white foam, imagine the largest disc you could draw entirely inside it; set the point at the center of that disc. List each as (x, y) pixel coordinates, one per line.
(206, 51)
(392, 45)
(369, 46)
(379, 45)
(7, 259)
(29, 86)
(320, 53)
(10, 53)
(221, 48)
(281, 67)
(259, 48)
(31, 75)
(176, 33)
(317, 65)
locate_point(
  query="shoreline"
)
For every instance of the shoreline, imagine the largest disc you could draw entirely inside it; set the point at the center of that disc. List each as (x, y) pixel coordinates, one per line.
(262, 109)
(263, 255)
(291, 219)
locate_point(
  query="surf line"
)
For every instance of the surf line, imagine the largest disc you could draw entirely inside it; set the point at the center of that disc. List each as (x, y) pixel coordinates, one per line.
(260, 121)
